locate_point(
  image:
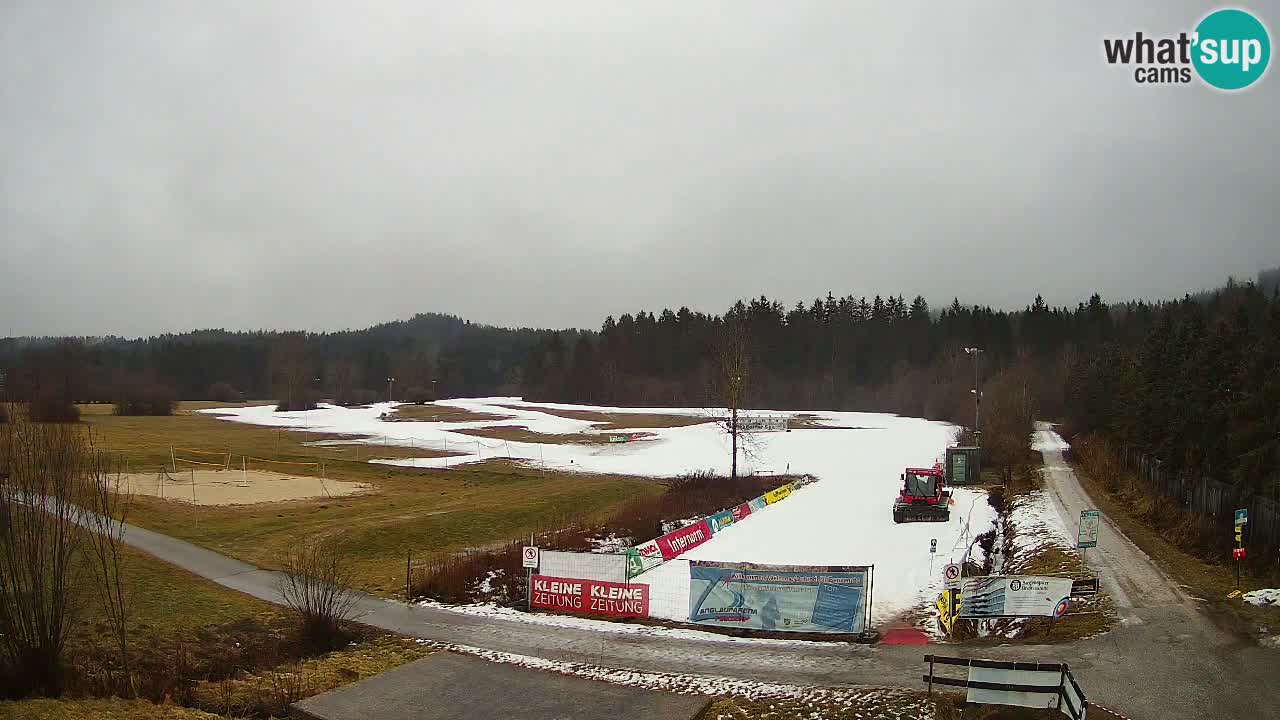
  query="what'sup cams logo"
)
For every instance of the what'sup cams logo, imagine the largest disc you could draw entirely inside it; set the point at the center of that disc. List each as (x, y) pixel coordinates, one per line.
(1229, 50)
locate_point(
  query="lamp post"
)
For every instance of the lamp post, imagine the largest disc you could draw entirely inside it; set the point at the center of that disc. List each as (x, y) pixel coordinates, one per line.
(390, 380)
(435, 395)
(977, 395)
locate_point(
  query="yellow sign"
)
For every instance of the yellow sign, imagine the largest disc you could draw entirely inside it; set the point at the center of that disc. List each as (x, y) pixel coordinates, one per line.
(1239, 537)
(943, 603)
(777, 494)
(1233, 594)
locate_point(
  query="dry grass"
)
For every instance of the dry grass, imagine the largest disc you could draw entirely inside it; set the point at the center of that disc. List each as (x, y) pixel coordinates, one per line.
(110, 709)
(621, 421)
(441, 413)
(409, 510)
(517, 433)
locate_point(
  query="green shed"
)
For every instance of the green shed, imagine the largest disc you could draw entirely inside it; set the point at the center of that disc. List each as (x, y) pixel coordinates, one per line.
(964, 465)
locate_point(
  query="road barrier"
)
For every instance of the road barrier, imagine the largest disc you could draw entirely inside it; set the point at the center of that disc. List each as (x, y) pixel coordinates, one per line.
(1033, 685)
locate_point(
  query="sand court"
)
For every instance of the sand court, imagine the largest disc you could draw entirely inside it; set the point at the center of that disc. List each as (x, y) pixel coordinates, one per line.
(237, 487)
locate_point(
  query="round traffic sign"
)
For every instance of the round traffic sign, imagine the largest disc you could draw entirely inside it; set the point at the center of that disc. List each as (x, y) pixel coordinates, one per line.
(951, 572)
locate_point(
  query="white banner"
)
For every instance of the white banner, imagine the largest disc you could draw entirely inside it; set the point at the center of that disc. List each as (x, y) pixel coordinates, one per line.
(583, 566)
(1014, 596)
(758, 423)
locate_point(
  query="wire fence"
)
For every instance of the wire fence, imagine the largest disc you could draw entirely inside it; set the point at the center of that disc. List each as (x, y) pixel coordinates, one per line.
(1211, 499)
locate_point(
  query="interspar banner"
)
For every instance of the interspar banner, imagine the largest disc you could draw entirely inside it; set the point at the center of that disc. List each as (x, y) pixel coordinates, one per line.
(720, 520)
(593, 597)
(1014, 596)
(777, 494)
(741, 511)
(673, 544)
(790, 598)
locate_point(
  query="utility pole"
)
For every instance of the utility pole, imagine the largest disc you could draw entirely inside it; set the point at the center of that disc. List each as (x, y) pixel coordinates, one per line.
(390, 380)
(977, 395)
(435, 395)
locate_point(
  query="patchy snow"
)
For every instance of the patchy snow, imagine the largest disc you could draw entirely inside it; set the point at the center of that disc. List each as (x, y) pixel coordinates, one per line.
(845, 519)
(609, 626)
(1269, 597)
(904, 703)
(1047, 441)
(1038, 523)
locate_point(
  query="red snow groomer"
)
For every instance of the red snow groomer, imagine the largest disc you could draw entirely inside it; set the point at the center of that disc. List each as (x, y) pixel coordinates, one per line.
(923, 497)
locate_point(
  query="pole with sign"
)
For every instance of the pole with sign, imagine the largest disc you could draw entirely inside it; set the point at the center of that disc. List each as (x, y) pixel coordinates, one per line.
(933, 549)
(1242, 517)
(1087, 536)
(529, 558)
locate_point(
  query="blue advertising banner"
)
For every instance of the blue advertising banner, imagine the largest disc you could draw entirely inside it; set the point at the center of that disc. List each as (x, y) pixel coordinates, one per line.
(758, 504)
(787, 598)
(720, 520)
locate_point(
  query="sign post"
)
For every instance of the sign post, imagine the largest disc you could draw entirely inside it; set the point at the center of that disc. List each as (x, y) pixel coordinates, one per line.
(1087, 536)
(529, 559)
(933, 549)
(1242, 517)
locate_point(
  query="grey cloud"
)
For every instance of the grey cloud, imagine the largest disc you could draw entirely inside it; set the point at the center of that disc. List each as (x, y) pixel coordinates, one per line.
(322, 165)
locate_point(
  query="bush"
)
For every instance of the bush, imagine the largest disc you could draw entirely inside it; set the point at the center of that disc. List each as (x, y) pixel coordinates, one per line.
(316, 584)
(53, 405)
(4, 413)
(145, 399)
(224, 392)
(418, 395)
(302, 400)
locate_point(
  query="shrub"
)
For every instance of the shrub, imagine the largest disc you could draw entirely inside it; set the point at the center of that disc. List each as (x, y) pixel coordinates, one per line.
(302, 400)
(224, 392)
(4, 413)
(145, 399)
(418, 395)
(51, 404)
(316, 584)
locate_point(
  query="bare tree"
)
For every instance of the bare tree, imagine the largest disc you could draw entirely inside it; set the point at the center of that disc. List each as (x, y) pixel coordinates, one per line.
(41, 482)
(316, 583)
(729, 381)
(108, 501)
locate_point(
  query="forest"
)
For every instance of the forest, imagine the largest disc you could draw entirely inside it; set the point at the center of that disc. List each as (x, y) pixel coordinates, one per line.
(1193, 382)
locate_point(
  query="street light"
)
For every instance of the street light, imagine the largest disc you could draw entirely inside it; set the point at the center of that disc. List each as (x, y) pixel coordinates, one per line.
(435, 395)
(977, 394)
(389, 381)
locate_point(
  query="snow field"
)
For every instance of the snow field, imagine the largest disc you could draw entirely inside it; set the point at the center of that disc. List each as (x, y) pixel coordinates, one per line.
(843, 519)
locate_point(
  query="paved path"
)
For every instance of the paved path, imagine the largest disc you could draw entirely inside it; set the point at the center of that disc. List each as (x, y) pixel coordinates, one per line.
(1165, 661)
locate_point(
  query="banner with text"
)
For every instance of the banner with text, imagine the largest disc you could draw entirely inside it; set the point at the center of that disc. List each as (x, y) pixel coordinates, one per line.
(777, 494)
(592, 597)
(1014, 596)
(788, 598)
(720, 520)
(677, 542)
(741, 511)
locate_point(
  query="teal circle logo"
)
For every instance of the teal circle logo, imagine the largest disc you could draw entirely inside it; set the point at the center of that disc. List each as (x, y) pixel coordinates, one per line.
(1232, 49)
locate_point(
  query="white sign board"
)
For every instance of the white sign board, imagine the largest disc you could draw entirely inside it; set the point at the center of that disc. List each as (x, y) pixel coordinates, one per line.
(771, 423)
(530, 557)
(1014, 596)
(584, 566)
(1088, 535)
(1050, 678)
(951, 576)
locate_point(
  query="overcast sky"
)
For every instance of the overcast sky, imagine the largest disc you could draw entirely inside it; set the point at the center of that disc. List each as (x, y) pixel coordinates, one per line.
(169, 165)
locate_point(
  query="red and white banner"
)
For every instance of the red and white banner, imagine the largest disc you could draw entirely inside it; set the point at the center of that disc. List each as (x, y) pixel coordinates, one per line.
(741, 511)
(674, 544)
(592, 597)
(649, 549)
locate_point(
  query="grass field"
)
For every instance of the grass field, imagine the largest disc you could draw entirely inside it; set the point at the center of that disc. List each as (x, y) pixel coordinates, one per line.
(440, 413)
(517, 433)
(419, 511)
(621, 421)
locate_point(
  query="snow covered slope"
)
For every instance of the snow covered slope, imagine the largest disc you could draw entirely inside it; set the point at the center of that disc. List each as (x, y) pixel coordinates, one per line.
(844, 519)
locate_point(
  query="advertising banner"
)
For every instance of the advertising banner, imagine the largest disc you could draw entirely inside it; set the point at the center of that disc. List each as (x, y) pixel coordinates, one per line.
(758, 504)
(741, 511)
(720, 520)
(1014, 596)
(762, 423)
(673, 544)
(789, 598)
(777, 494)
(593, 597)
(585, 566)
